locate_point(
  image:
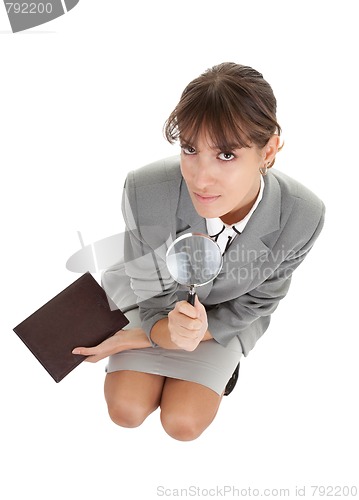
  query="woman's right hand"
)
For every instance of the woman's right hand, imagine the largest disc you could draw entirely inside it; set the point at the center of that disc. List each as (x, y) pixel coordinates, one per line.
(134, 338)
(109, 346)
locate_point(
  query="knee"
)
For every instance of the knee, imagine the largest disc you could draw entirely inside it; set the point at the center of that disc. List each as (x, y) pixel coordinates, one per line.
(127, 414)
(181, 426)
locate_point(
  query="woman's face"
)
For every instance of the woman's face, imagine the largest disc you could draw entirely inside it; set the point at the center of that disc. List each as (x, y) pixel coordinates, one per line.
(224, 184)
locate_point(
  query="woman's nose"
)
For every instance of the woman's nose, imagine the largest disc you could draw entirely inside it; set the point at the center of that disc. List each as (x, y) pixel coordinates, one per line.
(203, 174)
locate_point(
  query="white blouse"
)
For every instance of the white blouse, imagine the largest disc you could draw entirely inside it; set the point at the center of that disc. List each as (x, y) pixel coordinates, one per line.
(224, 234)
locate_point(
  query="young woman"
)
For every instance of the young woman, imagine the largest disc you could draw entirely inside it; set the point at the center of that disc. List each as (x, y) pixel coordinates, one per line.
(173, 355)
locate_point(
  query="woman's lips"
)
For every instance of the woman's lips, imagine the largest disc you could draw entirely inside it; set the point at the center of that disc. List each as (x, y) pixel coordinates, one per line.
(205, 198)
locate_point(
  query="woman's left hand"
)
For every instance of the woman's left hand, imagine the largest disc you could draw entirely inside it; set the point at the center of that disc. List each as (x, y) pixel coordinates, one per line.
(187, 324)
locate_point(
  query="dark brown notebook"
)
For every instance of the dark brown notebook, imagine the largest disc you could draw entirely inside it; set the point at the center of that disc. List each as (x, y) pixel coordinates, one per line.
(79, 316)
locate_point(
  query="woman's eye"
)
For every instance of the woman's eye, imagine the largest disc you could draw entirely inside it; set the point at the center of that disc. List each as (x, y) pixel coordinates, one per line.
(188, 150)
(226, 156)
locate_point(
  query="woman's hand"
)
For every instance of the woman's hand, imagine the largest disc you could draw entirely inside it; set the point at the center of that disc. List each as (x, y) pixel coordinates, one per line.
(101, 351)
(134, 338)
(187, 324)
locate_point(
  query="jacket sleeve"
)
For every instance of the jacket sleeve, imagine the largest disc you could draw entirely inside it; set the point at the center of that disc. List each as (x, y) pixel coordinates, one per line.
(145, 248)
(248, 316)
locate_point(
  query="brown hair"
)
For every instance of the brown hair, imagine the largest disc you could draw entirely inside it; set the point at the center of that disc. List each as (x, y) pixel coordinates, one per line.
(232, 102)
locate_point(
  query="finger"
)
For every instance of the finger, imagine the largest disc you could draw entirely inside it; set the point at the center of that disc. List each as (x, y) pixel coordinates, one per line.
(85, 351)
(186, 337)
(187, 309)
(92, 355)
(185, 323)
(184, 333)
(198, 305)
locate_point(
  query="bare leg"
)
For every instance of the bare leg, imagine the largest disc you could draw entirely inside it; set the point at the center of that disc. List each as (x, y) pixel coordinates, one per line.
(187, 408)
(131, 396)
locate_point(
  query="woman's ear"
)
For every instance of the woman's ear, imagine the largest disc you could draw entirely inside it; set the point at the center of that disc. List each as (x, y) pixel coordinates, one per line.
(271, 149)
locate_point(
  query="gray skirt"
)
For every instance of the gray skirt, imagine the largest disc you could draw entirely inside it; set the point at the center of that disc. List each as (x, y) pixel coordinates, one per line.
(210, 364)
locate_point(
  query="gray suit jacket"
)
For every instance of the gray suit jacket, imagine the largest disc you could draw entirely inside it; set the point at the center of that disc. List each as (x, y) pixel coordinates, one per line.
(257, 268)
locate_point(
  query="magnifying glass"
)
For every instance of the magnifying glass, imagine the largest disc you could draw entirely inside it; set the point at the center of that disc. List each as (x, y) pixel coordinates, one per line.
(194, 259)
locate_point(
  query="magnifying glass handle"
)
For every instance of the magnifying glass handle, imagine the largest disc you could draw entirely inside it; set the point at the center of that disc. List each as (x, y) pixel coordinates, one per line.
(191, 297)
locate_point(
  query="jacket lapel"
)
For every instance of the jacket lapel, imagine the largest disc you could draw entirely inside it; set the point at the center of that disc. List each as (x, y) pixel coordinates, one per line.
(254, 242)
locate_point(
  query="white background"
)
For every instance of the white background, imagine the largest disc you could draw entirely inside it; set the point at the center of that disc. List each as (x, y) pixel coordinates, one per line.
(82, 101)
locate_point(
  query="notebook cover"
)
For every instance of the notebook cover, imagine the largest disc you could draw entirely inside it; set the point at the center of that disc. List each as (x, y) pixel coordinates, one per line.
(79, 316)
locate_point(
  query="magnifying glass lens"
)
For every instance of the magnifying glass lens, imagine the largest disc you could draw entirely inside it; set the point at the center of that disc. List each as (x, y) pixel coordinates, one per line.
(193, 260)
